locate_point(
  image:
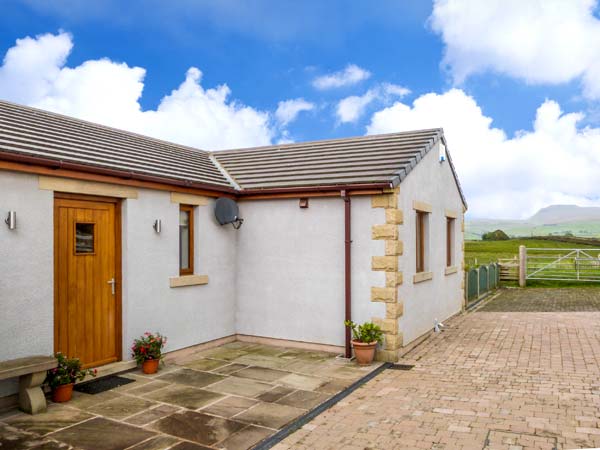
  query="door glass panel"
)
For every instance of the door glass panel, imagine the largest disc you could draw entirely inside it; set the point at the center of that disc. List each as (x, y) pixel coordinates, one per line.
(184, 240)
(84, 238)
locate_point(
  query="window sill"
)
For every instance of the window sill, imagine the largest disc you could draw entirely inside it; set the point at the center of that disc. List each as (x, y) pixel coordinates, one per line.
(451, 270)
(422, 276)
(188, 280)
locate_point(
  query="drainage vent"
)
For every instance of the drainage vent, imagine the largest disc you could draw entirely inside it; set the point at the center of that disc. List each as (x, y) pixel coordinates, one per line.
(401, 366)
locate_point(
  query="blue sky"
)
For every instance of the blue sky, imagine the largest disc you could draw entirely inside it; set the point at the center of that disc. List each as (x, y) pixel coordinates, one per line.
(262, 64)
(277, 58)
(267, 52)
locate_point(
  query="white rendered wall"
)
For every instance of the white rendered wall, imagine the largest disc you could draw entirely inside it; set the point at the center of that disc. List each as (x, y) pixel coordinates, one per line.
(291, 268)
(186, 315)
(439, 298)
(281, 275)
(26, 271)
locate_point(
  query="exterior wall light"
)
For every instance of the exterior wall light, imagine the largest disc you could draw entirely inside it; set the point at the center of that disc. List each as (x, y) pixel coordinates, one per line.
(11, 220)
(303, 203)
(157, 226)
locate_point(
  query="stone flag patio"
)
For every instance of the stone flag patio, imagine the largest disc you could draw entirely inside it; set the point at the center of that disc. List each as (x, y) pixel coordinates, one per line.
(229, 397)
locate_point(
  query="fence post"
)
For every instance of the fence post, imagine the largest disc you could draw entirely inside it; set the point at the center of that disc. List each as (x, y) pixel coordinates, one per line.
(497, 274)
(478, 293)
(522, 266)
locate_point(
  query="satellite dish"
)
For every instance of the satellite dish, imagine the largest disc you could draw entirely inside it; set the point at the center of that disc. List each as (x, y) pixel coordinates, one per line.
(227, 211)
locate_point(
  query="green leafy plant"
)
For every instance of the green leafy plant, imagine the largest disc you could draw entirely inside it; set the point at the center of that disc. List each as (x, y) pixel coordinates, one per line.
(148, 346)
(68, 371)
(367, 332)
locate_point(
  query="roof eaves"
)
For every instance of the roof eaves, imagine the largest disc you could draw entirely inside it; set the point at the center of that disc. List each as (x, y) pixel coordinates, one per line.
(460, 191)
(317, 188)
(124, 174)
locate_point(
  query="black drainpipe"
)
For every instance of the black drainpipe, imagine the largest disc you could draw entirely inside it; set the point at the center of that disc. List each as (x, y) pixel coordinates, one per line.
(347, 270)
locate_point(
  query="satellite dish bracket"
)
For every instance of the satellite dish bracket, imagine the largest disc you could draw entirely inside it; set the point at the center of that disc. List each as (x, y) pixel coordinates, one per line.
(237, 223)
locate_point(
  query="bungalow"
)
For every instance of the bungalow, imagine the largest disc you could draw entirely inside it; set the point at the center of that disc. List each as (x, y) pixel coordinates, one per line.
(109, 234)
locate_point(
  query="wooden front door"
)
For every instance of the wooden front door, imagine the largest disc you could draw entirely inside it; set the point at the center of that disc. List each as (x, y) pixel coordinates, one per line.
(87, 312)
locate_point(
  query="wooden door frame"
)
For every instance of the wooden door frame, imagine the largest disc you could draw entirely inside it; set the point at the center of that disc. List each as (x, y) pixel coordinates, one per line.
(118, 264)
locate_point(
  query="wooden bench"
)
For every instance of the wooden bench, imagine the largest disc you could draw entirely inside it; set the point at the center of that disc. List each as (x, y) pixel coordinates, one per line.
(32, 373)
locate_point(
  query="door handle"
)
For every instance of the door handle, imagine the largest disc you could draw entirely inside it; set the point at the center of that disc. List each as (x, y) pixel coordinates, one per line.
(112, 283)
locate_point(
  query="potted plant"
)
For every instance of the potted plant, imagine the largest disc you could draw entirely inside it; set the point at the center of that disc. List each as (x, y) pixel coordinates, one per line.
(62, 378)
(147, 351)
(365, 338)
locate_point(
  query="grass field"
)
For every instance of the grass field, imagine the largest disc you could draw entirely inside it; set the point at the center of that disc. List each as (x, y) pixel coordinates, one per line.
(485, 252)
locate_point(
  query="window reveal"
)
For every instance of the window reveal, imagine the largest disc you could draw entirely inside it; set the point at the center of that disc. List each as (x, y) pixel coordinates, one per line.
(186, 240)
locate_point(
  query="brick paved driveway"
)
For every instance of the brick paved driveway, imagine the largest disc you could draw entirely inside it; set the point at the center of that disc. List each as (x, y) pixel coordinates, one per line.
(546, 300)
(491, 380)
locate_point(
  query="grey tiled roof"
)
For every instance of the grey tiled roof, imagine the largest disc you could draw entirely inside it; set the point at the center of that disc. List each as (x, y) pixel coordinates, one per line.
(36, 133)
(366, 160)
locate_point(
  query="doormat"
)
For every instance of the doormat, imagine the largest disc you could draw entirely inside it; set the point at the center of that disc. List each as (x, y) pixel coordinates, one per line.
(102, 384)
(401, 366)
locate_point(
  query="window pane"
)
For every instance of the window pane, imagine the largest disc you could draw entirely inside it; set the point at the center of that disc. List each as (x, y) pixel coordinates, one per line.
(449, 242)
(84, 238)
(184, 240)
(419, 242)
(184, 218)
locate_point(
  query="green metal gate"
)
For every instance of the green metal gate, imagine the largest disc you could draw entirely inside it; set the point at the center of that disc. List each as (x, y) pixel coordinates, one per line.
(492, 276)
(481, 280)
(472, 285)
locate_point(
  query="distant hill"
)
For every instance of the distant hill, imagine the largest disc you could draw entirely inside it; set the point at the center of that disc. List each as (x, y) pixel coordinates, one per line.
(565, 213)
(551, 220)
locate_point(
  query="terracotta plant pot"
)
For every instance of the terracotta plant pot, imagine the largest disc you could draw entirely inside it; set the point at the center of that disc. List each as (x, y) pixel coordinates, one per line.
(364, 352)
(62, 393)
(150, 366)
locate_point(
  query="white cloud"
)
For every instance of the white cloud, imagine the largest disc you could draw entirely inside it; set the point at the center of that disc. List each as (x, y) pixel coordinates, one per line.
(107, 92)
(550, 41)
(31, 66)
(351, 75)
(506, 177)
(288, 110)
(285, 138)
(394, 89)
(351, 108)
